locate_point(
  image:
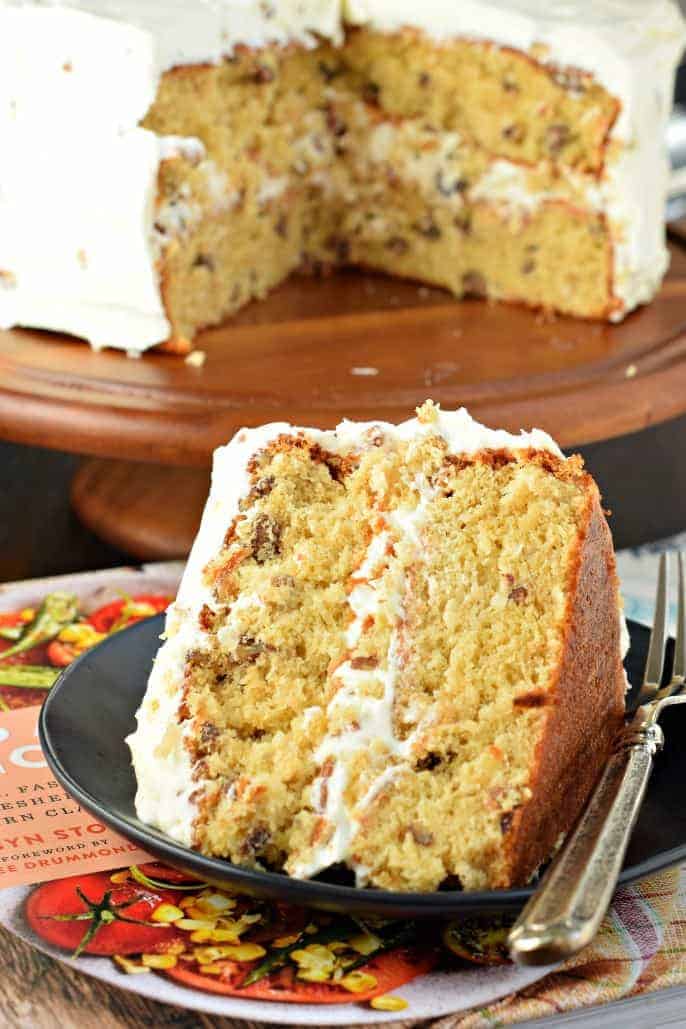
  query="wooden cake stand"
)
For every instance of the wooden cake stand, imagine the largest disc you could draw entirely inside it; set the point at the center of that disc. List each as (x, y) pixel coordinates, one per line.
(353, 345)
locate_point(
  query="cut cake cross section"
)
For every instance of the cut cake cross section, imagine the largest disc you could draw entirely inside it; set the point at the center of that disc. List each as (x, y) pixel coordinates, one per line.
(395, 649)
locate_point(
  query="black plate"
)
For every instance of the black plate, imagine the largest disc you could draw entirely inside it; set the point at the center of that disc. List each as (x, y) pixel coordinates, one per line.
(91, 709)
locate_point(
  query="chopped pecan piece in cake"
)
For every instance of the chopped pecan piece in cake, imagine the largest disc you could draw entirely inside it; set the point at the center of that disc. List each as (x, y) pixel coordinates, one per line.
(397, 245)
(449, 185)
(206, 618)
(249, 648)
(209, 734)
(428, 762)
(427, 228)
(264, 74)
(266, 538)
(474, 285)
(421, 836)
(518, 594)
(535, 698)
(557, 137)
(256, 841)
(506, 821)
(362, 662)
(281, 581)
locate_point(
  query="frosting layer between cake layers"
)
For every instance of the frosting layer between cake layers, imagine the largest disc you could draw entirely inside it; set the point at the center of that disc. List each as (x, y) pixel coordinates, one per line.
(78, 247)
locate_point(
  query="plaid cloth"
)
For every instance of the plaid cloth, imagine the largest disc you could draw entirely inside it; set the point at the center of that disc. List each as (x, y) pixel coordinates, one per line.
(641, 947)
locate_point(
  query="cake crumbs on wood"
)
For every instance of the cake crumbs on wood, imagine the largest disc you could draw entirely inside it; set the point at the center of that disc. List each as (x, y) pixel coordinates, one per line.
(196, 358)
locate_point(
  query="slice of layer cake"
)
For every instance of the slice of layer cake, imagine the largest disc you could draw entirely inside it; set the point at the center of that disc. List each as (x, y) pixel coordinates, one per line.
(395, 648)
(498, 148)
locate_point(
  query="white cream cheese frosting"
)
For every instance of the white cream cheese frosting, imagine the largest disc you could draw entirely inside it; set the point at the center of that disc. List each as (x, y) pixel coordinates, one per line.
(78, 176)
(381, 585)
(167, 790)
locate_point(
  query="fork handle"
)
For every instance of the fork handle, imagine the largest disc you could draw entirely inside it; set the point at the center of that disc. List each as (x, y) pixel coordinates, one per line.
(565, 913)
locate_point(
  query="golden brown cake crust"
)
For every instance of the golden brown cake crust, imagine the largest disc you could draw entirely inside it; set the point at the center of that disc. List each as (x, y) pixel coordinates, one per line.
(587, 711)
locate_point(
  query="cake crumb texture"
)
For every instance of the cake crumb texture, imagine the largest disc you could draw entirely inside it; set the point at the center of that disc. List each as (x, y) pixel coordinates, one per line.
(408, 662)
(448, 174)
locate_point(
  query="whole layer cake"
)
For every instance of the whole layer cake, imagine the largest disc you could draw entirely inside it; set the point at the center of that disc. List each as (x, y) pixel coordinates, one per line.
(395, 649)
(163, 163)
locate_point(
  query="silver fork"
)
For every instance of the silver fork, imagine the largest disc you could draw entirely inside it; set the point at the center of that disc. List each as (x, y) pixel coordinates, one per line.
(564, 914)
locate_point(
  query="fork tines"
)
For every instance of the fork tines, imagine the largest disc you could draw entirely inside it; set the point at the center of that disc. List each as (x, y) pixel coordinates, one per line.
(655, 662)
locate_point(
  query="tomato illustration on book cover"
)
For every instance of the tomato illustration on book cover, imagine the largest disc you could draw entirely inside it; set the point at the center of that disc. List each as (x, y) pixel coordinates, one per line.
(150, 918)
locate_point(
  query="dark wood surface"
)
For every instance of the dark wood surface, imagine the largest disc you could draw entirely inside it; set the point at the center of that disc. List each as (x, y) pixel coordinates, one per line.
(150, 511)
(39, 534)
(298, 356)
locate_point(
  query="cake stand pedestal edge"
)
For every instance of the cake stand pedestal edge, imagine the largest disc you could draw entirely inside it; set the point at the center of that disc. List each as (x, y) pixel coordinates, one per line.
(149, 511)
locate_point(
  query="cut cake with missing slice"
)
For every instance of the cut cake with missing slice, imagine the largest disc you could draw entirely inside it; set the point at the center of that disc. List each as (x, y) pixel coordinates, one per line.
(200, 153)
(395, 648)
